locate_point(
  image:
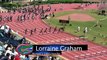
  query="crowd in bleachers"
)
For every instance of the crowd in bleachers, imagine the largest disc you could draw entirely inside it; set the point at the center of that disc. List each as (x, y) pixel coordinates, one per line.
(8, 52)
(9, 36)
(8, 46)
(8, 43)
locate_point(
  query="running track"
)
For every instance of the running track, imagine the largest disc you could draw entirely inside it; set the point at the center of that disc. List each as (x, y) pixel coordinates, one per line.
(95, 52)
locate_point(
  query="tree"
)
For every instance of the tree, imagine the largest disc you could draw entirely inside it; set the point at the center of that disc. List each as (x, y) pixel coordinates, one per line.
(5, 0)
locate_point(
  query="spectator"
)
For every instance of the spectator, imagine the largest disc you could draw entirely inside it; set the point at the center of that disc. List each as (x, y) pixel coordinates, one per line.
(27, 57)
(35, 58)
(5, 57)
(14, 52)
(2, 54)
(12, 57)
(22, 57)
(17, 57)
(5, 46)
(1, 49)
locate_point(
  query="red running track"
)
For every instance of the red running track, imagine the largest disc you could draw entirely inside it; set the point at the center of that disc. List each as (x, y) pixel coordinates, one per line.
(95, 52)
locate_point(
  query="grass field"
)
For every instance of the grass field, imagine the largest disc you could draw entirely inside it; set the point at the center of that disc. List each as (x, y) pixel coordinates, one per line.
(99, 32)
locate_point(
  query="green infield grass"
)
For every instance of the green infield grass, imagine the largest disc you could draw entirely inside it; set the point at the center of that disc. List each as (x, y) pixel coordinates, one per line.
(95, 34)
